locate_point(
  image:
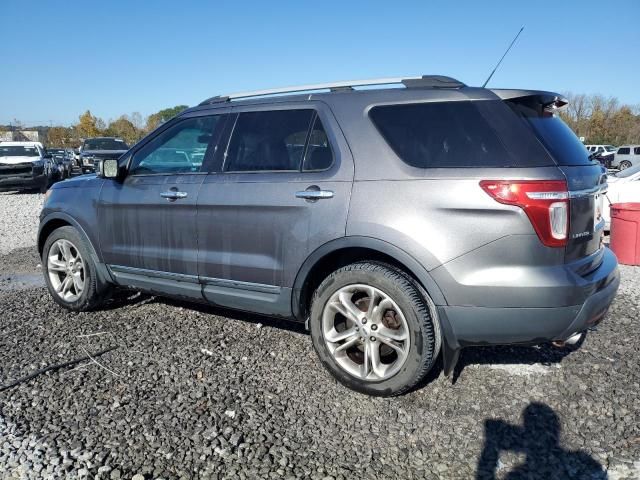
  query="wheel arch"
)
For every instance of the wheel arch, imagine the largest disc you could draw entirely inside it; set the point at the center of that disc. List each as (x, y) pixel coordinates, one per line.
(53, 221)
(337, 253)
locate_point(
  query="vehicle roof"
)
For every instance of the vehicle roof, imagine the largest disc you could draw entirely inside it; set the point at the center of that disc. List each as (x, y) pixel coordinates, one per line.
(433, 87)
(104, 138)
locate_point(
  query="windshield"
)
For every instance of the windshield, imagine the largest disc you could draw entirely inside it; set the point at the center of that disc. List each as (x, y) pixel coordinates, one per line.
(18, 151)
(104, 144)
(54, 151)
(627, 172)
(555, 135)
(610, 148)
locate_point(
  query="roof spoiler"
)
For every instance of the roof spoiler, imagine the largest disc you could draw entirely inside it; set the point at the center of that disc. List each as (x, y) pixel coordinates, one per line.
(549, 101)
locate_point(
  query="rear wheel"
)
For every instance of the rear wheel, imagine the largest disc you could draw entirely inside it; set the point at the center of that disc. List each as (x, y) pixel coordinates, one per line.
(374, 328)
(625, 164)
(70, 271)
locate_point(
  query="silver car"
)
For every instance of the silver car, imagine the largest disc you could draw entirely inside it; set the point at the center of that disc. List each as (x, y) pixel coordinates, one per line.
(397, 222)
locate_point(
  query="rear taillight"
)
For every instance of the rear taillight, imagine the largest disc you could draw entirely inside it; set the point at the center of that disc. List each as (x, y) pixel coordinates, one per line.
(546, 203)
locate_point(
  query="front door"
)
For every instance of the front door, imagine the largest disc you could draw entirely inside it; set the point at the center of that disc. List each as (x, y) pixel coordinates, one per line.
(147, 223)
(282, 191)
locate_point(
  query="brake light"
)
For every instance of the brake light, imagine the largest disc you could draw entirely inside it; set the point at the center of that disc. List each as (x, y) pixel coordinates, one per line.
(546, 203)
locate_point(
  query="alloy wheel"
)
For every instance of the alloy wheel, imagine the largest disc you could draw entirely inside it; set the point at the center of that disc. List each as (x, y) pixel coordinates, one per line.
(366, 332)
(66, 270)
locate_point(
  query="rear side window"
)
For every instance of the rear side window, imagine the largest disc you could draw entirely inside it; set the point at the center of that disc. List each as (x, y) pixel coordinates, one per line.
(268, 141)
(319, 155)
(624, 151)
(458, 134)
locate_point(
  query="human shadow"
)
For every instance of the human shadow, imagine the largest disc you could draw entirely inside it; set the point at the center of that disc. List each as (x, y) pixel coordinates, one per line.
(538, 439)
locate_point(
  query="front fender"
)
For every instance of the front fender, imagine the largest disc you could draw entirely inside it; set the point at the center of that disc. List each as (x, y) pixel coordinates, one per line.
(51, 221)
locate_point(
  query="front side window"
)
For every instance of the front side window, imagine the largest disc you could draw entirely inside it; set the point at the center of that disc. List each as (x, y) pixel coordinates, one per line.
(636, 151)
(179, 149)
(624, 151)
(268, 141)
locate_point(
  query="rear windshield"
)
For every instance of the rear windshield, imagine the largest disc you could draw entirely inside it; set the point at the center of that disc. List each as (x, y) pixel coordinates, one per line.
(459, 134)
(104, 144)
(554, 134)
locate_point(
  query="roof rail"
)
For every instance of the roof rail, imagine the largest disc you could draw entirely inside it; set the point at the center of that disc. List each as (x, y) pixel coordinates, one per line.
(425, 81)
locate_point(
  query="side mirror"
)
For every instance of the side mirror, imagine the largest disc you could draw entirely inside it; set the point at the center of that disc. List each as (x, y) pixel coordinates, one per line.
(108, 168)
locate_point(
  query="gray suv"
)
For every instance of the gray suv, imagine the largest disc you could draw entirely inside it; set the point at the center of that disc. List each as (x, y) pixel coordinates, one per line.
(396, 222)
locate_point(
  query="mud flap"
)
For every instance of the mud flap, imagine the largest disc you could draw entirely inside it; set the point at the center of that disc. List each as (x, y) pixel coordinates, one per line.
(450, 346)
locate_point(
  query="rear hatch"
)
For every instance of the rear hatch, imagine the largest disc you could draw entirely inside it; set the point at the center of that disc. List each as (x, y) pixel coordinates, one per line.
(586, 178)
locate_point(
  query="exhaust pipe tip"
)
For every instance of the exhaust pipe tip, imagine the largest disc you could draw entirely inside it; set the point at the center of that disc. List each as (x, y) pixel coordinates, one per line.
(572, 340)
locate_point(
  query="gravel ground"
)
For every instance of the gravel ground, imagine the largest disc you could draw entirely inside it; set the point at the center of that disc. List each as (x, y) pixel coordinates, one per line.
(192, 392)
(19, 217)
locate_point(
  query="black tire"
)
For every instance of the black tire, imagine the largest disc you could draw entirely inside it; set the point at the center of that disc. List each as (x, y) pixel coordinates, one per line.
(417, 308)
(95, 292)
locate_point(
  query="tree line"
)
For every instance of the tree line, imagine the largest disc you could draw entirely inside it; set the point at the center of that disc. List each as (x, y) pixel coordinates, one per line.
(130, 128)
(602, 120)
(596, 118)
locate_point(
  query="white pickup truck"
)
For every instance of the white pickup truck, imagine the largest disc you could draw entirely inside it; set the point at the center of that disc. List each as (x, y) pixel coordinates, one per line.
(25, 166)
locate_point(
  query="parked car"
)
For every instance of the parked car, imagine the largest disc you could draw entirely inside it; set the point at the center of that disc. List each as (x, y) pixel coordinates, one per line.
(25, 166)
(76, 157)
(412, 221)
(99, 148)
(63, 161)
(624, 186)
(626, 156)
(603, 153)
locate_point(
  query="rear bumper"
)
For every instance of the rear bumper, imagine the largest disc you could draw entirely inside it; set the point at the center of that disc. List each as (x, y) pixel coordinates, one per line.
(468, 325)
(18, 183)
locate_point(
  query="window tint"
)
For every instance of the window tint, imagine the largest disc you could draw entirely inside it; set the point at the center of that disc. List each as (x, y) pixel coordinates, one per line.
(554, 134)
(268, 141)
(624, 151)
(180, 149)
(459, 134)
(104, 144)
(319, 155)
(636, 151)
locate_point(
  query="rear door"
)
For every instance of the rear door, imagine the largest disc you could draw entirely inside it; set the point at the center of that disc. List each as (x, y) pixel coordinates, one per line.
(148, 221)
(281, 190)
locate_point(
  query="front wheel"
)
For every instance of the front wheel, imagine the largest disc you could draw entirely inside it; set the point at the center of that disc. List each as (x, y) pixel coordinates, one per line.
(374, 328)
(70, 271)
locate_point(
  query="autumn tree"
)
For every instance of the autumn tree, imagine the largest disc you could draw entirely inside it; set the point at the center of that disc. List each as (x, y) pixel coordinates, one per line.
(61, 137)
(125, 129)
(162, 116)
(88, 125)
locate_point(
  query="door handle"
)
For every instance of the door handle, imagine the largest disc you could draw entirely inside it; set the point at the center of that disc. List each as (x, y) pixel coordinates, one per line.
(314, 195)
(173, 195)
